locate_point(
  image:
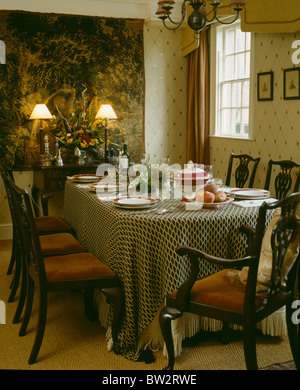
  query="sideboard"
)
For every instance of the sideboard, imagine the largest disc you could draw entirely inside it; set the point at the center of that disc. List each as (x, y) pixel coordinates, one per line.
(48, 180)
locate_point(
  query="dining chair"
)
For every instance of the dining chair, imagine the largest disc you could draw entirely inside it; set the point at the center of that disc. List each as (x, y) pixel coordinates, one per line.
(243, 292)
(51, 244)
(45, 224)
(76, 271)
(283, 180)
(242, 171)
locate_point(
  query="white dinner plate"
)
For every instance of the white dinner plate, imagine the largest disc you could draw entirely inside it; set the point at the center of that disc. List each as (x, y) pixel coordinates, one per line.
(86, 178)
(214, 205)
(250, 193)
(134, 202)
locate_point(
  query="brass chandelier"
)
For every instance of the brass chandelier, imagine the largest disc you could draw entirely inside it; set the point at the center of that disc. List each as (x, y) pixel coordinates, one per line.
(198, 19)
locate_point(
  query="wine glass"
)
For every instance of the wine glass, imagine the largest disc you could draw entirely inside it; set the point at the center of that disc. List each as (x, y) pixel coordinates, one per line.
(209, 170)
(165, 163)
(145, 158)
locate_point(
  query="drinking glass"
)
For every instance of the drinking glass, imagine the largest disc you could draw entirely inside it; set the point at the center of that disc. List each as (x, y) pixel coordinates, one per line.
(209, 170)
(145, 158)
(165, 163)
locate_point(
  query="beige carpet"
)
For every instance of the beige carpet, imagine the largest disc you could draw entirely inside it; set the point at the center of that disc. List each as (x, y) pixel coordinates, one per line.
(71, 342)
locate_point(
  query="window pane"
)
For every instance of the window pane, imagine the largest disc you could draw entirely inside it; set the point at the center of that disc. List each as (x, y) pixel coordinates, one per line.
(226, 95)
(229, 68)
(245, 94)
(236, 122)
(229, 41)
(240, 66)
(225, 125)
(236, 94)
(240, 40)
(247, 65)
(245, 121)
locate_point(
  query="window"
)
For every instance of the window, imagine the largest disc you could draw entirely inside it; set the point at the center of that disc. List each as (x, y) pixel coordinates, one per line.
(230, 81)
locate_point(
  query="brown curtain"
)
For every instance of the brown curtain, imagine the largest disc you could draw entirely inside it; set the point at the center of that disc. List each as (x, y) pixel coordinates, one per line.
(198, 103)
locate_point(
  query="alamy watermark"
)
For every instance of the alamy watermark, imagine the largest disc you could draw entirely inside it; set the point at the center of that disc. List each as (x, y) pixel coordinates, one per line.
(296, 313)
(2, 53)
(296, 53)
(2, 313)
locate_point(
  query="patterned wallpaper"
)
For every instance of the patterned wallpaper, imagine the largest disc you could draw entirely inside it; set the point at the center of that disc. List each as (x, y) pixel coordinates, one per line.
(165, 94)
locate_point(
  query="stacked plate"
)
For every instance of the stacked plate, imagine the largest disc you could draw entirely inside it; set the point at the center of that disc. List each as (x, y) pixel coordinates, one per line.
(249, 193)
(88, 178)
(134, 202)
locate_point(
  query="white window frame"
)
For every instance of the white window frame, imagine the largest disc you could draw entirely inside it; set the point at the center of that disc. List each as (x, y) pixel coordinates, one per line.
(215, 90)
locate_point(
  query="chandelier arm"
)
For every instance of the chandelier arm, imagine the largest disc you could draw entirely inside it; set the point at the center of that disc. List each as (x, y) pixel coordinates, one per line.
(232, 21)
(171, 28)
(214, 16)
(178, 24)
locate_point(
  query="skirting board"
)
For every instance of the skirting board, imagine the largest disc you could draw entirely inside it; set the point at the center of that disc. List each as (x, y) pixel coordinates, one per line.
(6, 232)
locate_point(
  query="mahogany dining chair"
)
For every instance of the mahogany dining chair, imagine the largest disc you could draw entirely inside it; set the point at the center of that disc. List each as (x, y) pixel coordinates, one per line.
(241, 293)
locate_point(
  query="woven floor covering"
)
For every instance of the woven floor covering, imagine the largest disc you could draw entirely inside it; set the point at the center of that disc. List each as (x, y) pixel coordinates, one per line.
(71, 342)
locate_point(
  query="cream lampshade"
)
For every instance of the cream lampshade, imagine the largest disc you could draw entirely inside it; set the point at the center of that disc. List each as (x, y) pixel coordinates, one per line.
(106, 112)
(41, 113)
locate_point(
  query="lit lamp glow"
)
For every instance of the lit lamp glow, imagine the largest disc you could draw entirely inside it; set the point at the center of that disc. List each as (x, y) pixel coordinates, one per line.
(41, 113)
(107, 113)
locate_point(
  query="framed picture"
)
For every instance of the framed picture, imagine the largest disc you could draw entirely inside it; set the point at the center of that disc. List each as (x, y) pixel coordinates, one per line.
(265, 86)
(291, 83)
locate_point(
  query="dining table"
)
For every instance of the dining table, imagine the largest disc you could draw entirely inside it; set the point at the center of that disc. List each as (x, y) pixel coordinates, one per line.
(139, 245)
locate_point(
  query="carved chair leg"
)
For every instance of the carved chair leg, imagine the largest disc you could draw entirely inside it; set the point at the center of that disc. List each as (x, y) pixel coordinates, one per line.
(28, 307)
(40, 328)
(249, 337)
(224, 337)
(89, 309)
(166, 316)
(16, 278)
(118, 298)
(22, 297)
(12, 258)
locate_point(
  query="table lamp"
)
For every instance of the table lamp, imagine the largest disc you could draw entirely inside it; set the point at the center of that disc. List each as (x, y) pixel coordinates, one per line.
(41, 113)
(107, 113)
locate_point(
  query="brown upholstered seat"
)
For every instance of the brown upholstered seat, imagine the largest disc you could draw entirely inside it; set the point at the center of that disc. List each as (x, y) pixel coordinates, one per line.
(60, 243)
(245, 290)
(217, 290)
(52, 224)
(76, 267)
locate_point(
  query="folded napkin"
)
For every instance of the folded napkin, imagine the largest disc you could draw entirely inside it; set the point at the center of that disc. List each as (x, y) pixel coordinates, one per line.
(254, 202)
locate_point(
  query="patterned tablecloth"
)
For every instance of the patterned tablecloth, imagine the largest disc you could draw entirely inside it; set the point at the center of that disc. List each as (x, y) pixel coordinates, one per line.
(140, 248)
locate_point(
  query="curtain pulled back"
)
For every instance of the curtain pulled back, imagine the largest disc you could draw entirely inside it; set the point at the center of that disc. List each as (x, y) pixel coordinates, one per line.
(198, 103)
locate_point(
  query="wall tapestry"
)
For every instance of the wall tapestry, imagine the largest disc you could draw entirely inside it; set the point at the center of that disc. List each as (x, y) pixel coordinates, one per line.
(51, 59)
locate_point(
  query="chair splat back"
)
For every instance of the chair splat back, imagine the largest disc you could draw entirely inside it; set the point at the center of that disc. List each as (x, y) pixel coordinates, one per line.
(283, 180)
(242, 171)
(283, 234)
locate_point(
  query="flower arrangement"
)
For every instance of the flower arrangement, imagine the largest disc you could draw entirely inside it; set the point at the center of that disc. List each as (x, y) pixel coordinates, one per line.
(81, 130)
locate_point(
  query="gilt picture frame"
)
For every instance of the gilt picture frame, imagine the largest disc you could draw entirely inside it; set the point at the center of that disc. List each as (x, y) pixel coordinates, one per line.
(291, 83)
(265, 86)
